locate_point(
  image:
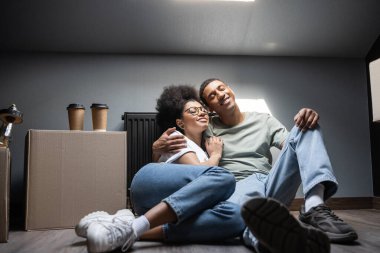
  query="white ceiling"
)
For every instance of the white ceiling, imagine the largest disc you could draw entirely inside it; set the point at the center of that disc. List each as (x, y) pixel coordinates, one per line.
(320, 28)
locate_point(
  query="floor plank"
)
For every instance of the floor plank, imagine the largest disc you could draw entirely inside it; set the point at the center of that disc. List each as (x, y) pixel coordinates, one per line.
(366, 222)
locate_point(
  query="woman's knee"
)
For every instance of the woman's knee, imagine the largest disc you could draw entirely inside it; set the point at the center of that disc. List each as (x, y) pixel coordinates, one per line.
(139, 179)
(142, 190)
(223, 180)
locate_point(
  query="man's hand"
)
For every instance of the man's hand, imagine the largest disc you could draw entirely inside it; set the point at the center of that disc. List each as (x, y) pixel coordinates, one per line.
(306, 119)
(168, 143)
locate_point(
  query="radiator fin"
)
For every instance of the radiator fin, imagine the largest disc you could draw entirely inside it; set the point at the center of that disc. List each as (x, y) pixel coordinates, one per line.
(142, 131)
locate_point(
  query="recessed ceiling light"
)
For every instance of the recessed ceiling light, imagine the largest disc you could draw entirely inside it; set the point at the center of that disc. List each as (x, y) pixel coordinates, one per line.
(221, 0)
(236, 0)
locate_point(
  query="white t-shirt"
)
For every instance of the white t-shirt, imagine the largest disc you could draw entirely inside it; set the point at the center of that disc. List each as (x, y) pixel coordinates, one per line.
(191, 147)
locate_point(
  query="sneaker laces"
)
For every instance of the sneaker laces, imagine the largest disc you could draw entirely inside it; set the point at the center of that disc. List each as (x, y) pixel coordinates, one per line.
(327, 213)
(129, 242)
(117, 231)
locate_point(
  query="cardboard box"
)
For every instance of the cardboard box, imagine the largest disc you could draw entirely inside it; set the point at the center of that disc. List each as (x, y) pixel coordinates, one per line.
(72, 173)
(5, 160)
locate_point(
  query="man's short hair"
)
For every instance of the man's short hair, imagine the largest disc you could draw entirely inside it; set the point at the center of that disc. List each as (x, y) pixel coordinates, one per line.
(203, 86)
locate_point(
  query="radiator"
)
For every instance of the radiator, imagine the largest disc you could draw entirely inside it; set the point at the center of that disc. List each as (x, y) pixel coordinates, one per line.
(142, 131)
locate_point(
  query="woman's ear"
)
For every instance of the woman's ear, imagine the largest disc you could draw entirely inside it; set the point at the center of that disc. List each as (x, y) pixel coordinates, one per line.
(179, 123)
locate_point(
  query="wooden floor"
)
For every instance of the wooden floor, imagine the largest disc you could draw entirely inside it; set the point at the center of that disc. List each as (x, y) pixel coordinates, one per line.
(366, 222)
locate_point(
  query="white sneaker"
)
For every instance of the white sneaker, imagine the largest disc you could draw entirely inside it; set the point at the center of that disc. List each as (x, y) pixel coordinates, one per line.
(101, 216)
(108, 236)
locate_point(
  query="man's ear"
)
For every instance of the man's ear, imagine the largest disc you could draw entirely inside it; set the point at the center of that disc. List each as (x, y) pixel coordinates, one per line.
(179, 123)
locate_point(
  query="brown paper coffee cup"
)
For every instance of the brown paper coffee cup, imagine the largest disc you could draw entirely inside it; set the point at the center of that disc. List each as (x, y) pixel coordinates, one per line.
(76, 116)
(99, 117)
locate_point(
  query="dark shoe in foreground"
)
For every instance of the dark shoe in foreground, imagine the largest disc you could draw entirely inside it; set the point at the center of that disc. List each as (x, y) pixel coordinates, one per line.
(323, 218)
(274, 227)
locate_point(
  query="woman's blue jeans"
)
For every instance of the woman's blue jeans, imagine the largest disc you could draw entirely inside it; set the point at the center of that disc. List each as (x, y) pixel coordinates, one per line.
(196, 194)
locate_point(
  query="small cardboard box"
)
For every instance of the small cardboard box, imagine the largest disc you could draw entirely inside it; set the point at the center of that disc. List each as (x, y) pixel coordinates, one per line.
(5, 160)
(72, 173)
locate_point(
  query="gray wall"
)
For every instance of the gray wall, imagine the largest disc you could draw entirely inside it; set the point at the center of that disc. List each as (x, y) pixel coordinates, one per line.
(42, 85)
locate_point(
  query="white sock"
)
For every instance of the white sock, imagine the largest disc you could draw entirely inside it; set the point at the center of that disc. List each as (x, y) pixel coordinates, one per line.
(140, 225)
(314, 197)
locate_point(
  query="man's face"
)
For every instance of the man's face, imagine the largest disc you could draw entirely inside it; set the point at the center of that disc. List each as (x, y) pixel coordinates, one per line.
(220, 98)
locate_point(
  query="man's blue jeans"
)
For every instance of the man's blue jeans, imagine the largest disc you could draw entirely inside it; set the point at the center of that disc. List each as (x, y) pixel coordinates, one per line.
(196, 194)
(303, 160)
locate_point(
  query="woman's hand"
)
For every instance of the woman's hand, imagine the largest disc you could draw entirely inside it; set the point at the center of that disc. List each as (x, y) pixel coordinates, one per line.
(214, 146)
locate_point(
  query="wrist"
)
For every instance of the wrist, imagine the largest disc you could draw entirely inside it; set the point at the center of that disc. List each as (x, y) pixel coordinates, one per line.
(156, 152)
(216, 156)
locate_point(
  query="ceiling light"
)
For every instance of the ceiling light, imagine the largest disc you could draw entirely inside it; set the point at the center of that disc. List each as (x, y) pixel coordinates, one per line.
(219, 0)
(235, 0)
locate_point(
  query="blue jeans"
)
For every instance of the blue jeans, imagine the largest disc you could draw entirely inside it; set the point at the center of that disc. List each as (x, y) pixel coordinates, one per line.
(196, 194)
(303, 159)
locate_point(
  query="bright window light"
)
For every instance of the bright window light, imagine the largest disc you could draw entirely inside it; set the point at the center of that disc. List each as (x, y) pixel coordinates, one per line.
(253, 105)
(374, 72)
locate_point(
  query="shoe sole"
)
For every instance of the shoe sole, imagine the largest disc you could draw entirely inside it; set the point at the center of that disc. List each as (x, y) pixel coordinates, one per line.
(342, 238)
(336, 238)
(274, 226)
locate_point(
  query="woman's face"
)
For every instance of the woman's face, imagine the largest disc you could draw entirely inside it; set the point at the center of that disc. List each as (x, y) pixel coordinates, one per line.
(194, 118)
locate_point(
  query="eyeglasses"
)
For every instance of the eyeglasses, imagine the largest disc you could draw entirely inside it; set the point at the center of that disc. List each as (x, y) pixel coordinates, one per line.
(196, 110)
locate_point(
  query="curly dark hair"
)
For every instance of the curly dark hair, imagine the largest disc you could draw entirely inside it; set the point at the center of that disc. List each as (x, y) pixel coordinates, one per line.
(171, 102)
(203, 86)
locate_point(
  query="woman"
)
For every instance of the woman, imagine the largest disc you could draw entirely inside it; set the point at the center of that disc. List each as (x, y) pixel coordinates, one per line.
(180, 106)
(176, 205)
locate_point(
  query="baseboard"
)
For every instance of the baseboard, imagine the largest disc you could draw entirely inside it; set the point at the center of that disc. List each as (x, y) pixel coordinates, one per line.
(296, 204)
(343, 203)
(376, 203)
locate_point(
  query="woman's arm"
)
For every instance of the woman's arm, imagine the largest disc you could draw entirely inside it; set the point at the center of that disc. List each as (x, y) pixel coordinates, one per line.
(214, 147)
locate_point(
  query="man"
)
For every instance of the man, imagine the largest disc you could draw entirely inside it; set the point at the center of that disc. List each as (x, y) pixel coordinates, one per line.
(247, 138)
